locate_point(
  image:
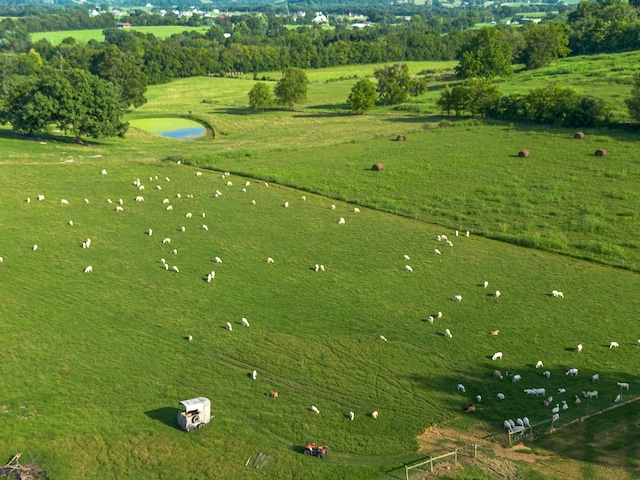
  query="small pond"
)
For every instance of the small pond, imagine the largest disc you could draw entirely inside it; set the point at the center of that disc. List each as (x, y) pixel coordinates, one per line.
(179, 128)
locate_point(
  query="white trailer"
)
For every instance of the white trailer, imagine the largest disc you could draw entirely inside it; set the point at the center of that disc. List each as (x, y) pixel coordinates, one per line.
(194, 413)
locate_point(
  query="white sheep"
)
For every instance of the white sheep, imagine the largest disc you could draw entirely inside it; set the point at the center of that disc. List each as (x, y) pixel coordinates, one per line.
(104, 171)
(86, 200)
(539, 364)
(478, 398)
(169, 208)
(286, 204)
(623, 385)
(139, 198)
(456, 233)
(189, 338)
(468, 233)
(639, 342)
(109, 201)
(440, 314)
(530, 391)
(447, 333)
(461, 388)
(556, 417)
(229, 327)
(174, 251)
(247, 183)
(270, 260)
(158, 187)
(562, 390)
(198, 174)
(188, 215)
(526, 422)
(506, 425)
(437, 252)
(458, 298)
(229, 183)
(557, 294)
(546, 373)
(120, 201)
(341, 221)
(498, 294)
(516, 378)
(444, 237)
(35, 247)
(163, 261)
(351, 416)
(572, 372)
(166, 266)
(497, 356)
(209, 278)
(564, 405)
(141, 187)
(595, 377)
(175, 269)
(618, 398)
(485, 284)
(317, 267)
(556, 409)
(218, 260)
(165, 201)
(321, 268)
(218, 193)
(245, 322)
(314, 409)
(64, 202)
(374, 414)
(183, 229)
(333, 207)
(439, 238)
(408, 268)
(406, 257)
(28, 200)
(88, 242)
(253, 202)
(254, 375)
(303, 198)
(579, 348)
(213, 274)
(356, 210)
(149, 232)
(71, 222)
(88, 269)
(204, 227)
(119, 208)
(448, 243)
(167, 179)
(383, 338)
(430, 318)
(1, 259)
(613, 344)
(501, 396)
(166, 240)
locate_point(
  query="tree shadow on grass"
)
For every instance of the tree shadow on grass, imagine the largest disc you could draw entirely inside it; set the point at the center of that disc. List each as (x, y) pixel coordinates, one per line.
(240, 111)
(166, 415)
(45, 137)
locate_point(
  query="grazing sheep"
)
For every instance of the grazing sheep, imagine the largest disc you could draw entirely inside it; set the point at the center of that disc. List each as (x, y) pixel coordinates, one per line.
(119, 208)
(317, 267)
(229, 327)
(556, 417)
(218, 260)
(439, 238)
(254, 375)
(175, 269)
(351, 416)
(595, 378)
(613, 344)
(218, 193)
(253, 202)
(448, 243)
(623, 385)
(333, 207)
(494, 332)
(408, 268)
(447, 333)
(374, 414)
(139, 198)
(141, 187)
(35, 247)
(247, 183)
(183, 229)
(169, 208)
(204, 214)
(86, 200)
(64, 202)
(506, 425)
(526, 423)
(189, 215)
(120, 201)
(639, 342)
(546, 373)
(478, 398)
(104, 171)
(456, 233)
(163, 261)
(209, 278)
(189, 338)
(213, 274)
(158, 187)
(321, 268)
(579, 348)
(496, 373)
(458, 298)
(286, 204)
(273, 394)
(444, 237)
(314, 409)
(1, 259)
(516, 378)
(439, 314)
(88, 269)
(198, 174)
(430, 318)
(557, 294)
(497, 356)
(341, 221)
(539, 364)
(467, 233)
(204, 227)
(618, 398)
(572, 372)
(174, 251)
(530, 391)
(229, 183)
(88, 242)
(149, 232)
(166, 240)
(461, 388)
(166, 266)
(165, 201)
(356, 210)
(437, 252)
(245, 322)
(497, 294)
(485, 284)
(561, 390)
(556, 409)
(109, 201)
(303, 198)
(469, 408)
(578, 399)
(71, 222)
(564, 405)
(270, 260)
(28, 200)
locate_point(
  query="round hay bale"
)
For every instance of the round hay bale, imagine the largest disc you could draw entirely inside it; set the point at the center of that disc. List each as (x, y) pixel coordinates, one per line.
(601, 152)
(377, 167)
(523, 153)
(400, 138)
(579, 135)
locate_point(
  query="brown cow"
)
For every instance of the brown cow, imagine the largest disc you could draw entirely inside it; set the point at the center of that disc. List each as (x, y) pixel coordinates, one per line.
(469, 408)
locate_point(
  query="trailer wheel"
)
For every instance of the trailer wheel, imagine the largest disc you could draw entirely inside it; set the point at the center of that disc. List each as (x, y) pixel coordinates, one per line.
(201, 425)
(307, 451)
(195, 419)
(320, 455)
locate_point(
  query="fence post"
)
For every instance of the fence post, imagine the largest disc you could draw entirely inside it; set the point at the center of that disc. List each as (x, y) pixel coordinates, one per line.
(430, 464)
(406, 472)
(475, 450)
(455, 456)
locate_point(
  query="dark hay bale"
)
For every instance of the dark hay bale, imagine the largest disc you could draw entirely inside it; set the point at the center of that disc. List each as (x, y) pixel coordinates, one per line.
(523, 153)
(601, 152)
(579, 135)
(400, 138)
(377, 167)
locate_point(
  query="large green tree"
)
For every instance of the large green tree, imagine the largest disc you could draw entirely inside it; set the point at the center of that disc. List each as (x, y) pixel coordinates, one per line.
(544, 43)
(362, 96)
(260, 97)
(633, 102)
(113, 65)
(292, 87)
(485, 55)
(73, 100)
(395, 84)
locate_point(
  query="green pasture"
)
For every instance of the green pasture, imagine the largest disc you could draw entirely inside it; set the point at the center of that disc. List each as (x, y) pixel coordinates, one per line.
(83, 36)
(93, 365)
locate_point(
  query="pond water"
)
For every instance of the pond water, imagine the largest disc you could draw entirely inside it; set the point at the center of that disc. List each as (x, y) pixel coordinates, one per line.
(179, 128)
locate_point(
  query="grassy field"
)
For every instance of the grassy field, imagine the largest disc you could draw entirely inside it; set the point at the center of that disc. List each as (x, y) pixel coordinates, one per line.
(93, 365)
(83, 36)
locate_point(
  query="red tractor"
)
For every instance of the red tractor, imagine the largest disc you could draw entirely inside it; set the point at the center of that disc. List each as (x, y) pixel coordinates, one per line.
(312, 449)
